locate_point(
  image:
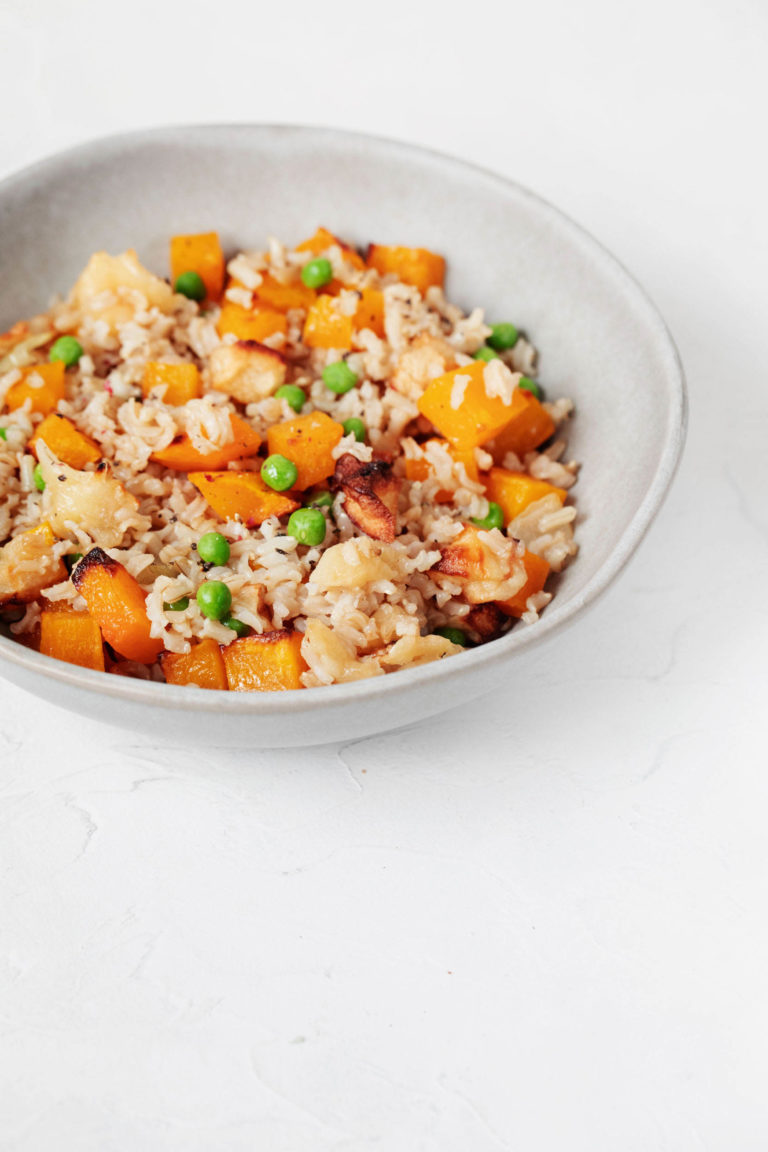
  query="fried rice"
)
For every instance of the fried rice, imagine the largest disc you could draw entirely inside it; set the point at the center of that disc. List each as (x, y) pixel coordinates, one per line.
(440, 473)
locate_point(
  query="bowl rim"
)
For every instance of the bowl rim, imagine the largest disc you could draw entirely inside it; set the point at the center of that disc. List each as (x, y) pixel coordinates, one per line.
(179, 698)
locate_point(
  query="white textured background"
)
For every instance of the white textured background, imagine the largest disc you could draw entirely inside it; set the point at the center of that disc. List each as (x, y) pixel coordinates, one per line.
(538, 923)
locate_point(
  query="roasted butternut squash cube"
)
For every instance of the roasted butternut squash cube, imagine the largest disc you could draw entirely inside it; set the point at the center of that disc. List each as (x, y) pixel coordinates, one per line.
(200, 252)
(271, 662)
(117, 603)
(536, 573)
(182, 456)
(247, 371)
(250, 323)
(308, 441)
(242, 496)
(370, 312)
(66, 441)
(460, 408)
(44, 385)
(529, 427)
(202, 666)
(514, 491)
(71, 636)
(419, 468)
(172, 383)
(323, 240)
(271, 293)
(327, 326)
(417, 266)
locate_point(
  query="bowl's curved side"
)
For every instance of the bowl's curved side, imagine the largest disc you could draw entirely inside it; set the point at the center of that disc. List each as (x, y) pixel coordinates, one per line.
(602, 340)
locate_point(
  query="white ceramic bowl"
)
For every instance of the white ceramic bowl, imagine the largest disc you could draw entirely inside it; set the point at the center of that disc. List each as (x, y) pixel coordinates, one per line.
(601, 342)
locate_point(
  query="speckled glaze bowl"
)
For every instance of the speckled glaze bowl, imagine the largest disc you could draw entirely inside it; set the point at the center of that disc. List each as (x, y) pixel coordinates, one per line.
(601, 340)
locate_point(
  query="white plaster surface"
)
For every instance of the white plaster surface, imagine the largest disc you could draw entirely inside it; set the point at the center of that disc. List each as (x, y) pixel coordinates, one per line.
(537, 923)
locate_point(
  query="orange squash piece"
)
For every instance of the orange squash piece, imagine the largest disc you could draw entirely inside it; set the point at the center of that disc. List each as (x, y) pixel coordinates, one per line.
(175, 383)
(419, 469)
(44, 397)
(529, 427)
(283, 297)
(417, 266)
(459, 407)
(242, 496)
(323, 240)
(308, 441)
(71, 636)
(537, 571)
(66, 441)
(201, 253)
(271, 662)
(326, 326)
(182, 456)
(514, 491)
(370, 312)
(203, 666)
(117, 603)
(250, 323)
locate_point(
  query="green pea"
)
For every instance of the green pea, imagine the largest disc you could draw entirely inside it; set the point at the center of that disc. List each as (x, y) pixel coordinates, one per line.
(237, 626)
(486, 353)
(37, 476)
(3, 434)
(317, 273)
(294, 396)
(355, 426)
(307, 525)
(531, 386)
(176, 605)
(339, 377)
(320, 500)
(503, 336)
(191, 285)
(212, 548)
(66, 349)
(279, 472)
(494, 519)
(455, 635)
(214, 600)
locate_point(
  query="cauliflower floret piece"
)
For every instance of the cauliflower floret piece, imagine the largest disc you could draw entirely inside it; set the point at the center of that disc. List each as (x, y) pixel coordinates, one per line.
(484, 563)
(28, 565)
(354, 564)
(331, 658)
(426, 358)
(412, 650)
(92, 501)
(247, 370)
(113, 288)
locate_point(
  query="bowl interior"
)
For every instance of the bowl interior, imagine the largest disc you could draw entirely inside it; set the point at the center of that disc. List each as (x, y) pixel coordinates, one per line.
(600, 340)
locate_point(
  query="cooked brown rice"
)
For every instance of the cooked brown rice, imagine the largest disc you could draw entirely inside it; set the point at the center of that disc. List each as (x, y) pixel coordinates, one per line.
(364, 604)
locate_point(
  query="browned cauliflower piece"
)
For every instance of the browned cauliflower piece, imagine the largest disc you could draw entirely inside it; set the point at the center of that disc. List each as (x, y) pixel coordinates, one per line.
(247, 371)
